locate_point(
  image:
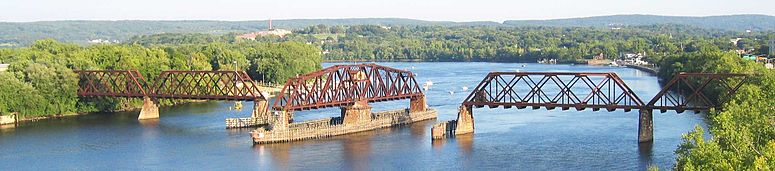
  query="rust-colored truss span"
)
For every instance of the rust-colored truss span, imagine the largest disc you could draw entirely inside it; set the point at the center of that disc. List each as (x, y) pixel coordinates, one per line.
(688, 91)
(551, 90)
(111, 83)
(206, 85)
(342, 85)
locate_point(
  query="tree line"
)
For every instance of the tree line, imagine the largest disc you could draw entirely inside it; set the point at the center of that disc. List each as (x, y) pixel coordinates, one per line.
(516, 44)
(742, 132)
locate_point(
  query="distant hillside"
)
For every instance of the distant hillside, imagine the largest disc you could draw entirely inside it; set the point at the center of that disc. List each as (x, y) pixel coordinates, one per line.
(15, 34)
(83, 31)
(727, 22)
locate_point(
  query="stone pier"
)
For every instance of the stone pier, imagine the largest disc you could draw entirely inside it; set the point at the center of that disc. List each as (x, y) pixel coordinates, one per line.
(282, 121)
(645, 125)
(260, 109)
(417, 104)
(358, 113)
(150, 109)
(8, 119)
(322, 128)
(463, 125)
(465, 121)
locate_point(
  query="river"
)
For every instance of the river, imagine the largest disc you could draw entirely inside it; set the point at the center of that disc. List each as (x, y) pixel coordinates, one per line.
(192, 136)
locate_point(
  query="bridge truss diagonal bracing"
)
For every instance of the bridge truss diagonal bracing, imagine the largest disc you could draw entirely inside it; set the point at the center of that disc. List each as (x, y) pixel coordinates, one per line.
(206, 85)
(111, 83)
(693, 91)
(552, 90)
(343, 85)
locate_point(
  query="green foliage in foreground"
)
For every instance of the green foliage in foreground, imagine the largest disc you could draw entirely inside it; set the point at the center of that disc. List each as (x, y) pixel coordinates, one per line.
(40, 80)
(742, 134)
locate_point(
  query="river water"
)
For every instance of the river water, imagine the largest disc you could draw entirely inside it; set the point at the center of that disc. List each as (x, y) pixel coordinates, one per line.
(192, 136)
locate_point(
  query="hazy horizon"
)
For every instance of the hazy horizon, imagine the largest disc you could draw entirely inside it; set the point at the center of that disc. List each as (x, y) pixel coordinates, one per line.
(430, 10)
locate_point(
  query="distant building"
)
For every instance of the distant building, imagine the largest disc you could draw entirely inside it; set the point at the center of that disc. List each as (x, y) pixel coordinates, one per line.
(632, 59)
(4, 67)
(734, 41)
(270, 31)
(102, 41)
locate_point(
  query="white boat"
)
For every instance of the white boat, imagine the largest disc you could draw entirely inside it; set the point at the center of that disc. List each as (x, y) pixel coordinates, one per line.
(427, 85)
(465, 88)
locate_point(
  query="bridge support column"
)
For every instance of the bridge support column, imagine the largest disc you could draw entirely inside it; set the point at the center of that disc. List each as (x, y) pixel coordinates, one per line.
(260, 110)
(282, 121)
(465, 121)
(150, 110)
(358, 113)
(417, 104)
(645, 126)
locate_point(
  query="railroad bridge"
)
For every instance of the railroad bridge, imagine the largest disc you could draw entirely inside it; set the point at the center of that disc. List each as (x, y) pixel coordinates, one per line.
(194, 85)
(595, 91)
(351, 87)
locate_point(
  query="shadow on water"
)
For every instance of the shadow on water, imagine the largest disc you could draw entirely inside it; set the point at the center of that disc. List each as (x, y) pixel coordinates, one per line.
(645, 154)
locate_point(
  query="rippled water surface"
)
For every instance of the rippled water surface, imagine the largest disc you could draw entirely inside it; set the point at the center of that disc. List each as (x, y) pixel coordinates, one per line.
(192, 137)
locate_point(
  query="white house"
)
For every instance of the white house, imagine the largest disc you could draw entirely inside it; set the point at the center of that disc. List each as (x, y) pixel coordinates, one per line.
(4, 67)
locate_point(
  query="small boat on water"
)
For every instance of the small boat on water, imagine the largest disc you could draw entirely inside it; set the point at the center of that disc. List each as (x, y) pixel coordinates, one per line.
(427, 85)
(465, 88)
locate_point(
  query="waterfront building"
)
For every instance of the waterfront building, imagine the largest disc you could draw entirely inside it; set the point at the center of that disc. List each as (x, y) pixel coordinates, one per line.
(270, 31)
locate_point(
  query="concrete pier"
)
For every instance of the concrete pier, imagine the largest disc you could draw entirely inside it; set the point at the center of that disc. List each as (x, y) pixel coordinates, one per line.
(358, 113)
(322, 128)
(465, 121)
(260, 109)
(417, 104)
(8, 119)
(645, 126)
(463, 125)
(150, 109)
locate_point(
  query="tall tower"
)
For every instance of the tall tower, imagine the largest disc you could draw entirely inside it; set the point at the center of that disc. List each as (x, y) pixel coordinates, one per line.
(270, 25)
(772, 47)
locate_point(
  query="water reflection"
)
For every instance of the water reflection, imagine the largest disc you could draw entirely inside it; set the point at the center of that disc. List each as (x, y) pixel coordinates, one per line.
(149, 123)
(645, 154)
(419, 129)
(357, 150)
(465, 143)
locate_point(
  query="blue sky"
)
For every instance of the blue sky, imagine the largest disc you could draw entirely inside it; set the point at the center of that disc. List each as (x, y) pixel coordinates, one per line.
(440, 10)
